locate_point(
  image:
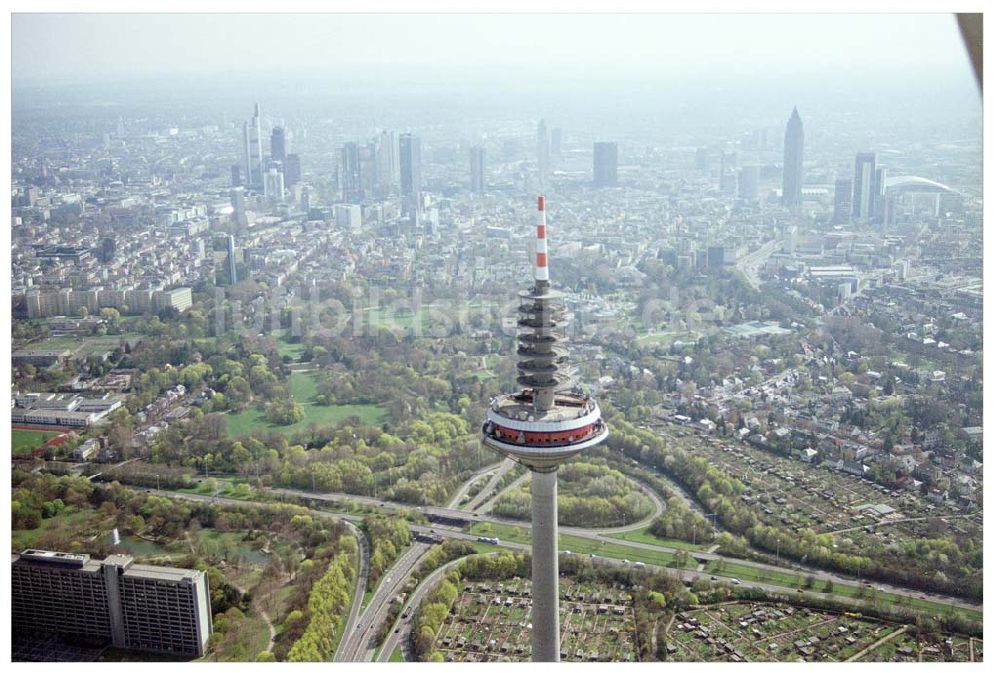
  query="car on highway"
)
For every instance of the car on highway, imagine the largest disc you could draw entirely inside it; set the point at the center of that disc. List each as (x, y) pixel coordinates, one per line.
(713, 578)
(735, 581)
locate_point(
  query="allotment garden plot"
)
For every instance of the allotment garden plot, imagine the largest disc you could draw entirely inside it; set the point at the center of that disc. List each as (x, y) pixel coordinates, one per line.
(747, 631)
(797, 496)
(490, 621)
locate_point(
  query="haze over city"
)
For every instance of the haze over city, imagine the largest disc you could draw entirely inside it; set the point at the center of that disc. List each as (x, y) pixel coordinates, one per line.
(468, 338)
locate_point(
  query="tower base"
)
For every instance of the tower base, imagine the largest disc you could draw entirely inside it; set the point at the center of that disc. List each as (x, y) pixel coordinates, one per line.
(544, 567)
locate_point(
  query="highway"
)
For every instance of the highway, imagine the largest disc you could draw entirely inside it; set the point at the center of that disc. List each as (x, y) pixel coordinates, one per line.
(358, 640)
(359, 584)
(362, 625)
(599, 535)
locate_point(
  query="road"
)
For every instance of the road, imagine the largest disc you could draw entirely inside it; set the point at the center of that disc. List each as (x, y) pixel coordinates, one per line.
(749, 263)
(359, 586)
(599, 535)
(400, 633)
(357, 643)
(456, 502)
(506, 465)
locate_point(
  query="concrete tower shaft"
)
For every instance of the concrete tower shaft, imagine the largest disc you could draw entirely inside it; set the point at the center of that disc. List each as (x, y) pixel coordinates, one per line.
(541, 427)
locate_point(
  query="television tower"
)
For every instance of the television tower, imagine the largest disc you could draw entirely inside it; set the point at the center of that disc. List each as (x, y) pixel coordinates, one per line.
(541, 427)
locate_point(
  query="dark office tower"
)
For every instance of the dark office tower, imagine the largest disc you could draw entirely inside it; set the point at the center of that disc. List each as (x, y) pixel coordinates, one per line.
(863, 201)
(350, 173)
(791, 169)
(701, 159)
(556, 147)
(748, 182)
(235, 180)
(253, 154)
(477, 182)
(278, 144)
(841, 201)
(542, 147)
(108, 247)
(605, 164)
(293, 169)
(409, 164)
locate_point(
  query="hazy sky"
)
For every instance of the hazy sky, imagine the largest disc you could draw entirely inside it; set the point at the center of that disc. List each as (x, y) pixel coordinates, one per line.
(59, 47)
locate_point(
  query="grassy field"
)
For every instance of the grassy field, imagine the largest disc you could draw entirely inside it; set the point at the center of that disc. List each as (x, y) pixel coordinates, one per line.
(303, 388)
(71, 519)
(778, 578)
(643, 535)
(23, 441)
(87, 345)
(397, 654)
(580, 545)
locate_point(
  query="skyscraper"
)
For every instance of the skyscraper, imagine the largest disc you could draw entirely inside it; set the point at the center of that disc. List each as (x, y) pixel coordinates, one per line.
(274, 183)
(863, 201)
(791, 169)
(841, 201)
(878, 196)
(293, 169)
(278, 144)
(388, 161)
(477, 182)
(541, 427)
(238, 203)
(350, 173)
(234, 173)
(409, 164)
(605, 164)
(748, 182)
(542, 148)
(253, 154)
(231, 259)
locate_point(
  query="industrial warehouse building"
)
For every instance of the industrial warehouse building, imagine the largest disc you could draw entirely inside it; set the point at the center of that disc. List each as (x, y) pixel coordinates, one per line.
(131, 606)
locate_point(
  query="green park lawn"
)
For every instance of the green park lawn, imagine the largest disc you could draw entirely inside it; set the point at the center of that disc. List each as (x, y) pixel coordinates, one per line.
(580, 545)
(643, 535)
(303, 388)
(24, 441)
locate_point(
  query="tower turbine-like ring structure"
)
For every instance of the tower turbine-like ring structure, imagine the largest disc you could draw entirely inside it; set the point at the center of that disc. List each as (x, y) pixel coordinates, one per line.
(541, 427)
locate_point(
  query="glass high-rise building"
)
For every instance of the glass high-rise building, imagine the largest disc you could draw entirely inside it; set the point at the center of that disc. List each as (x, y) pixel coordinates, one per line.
(278, 144)
(791, 169)
(253, 153)
(863, 201)
(409, 163)
(841, 201)
(477, 182)
(605, 164)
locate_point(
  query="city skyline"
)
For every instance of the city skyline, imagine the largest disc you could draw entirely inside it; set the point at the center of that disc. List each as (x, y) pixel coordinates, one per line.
(496, 338)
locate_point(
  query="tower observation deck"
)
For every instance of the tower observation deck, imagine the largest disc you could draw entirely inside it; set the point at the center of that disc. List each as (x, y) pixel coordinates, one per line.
(541, 427)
